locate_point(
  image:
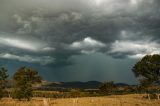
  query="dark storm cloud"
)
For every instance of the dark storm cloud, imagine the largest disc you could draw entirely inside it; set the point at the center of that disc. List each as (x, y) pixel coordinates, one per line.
(57, 30)
(64, 22)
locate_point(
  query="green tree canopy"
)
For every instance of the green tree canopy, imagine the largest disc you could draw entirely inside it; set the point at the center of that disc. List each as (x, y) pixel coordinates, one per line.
(107, 87)
(147, 70)
(24, 78)
(3, 80)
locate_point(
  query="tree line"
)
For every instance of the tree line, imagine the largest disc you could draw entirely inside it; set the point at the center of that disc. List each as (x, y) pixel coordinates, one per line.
(23, 81)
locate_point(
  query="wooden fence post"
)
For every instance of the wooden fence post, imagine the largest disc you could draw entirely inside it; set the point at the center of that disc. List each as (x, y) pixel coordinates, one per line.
(149, 97)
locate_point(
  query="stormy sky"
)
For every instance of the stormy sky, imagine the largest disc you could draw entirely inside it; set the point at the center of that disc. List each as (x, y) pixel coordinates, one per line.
(79, 40)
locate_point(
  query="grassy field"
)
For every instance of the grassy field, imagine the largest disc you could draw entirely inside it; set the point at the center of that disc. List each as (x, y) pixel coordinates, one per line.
(114, 100)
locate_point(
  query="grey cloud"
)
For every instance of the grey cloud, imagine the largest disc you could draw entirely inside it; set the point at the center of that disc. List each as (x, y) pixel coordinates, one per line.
(134, 49)
(88, 45)
(57, 22)
(23, 43)
(26, 58)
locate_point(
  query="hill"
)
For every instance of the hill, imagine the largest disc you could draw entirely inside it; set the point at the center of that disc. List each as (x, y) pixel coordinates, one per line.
(77, 85)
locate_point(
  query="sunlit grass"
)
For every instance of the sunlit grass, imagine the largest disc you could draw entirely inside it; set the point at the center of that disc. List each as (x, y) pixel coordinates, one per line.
(114, 100)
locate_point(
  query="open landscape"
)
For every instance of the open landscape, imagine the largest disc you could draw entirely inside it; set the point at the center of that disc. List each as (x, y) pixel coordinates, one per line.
(114, 100)
(79, 52)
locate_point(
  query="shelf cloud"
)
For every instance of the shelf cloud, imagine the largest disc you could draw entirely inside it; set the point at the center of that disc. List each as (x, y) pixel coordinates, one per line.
(134, 49)
(26, 58)
(87, 45)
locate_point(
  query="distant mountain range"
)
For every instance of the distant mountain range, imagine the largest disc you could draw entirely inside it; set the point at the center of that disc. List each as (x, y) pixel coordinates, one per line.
(77, 84)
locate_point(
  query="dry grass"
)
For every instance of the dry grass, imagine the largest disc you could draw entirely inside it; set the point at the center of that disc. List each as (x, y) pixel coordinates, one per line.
(114, 100)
